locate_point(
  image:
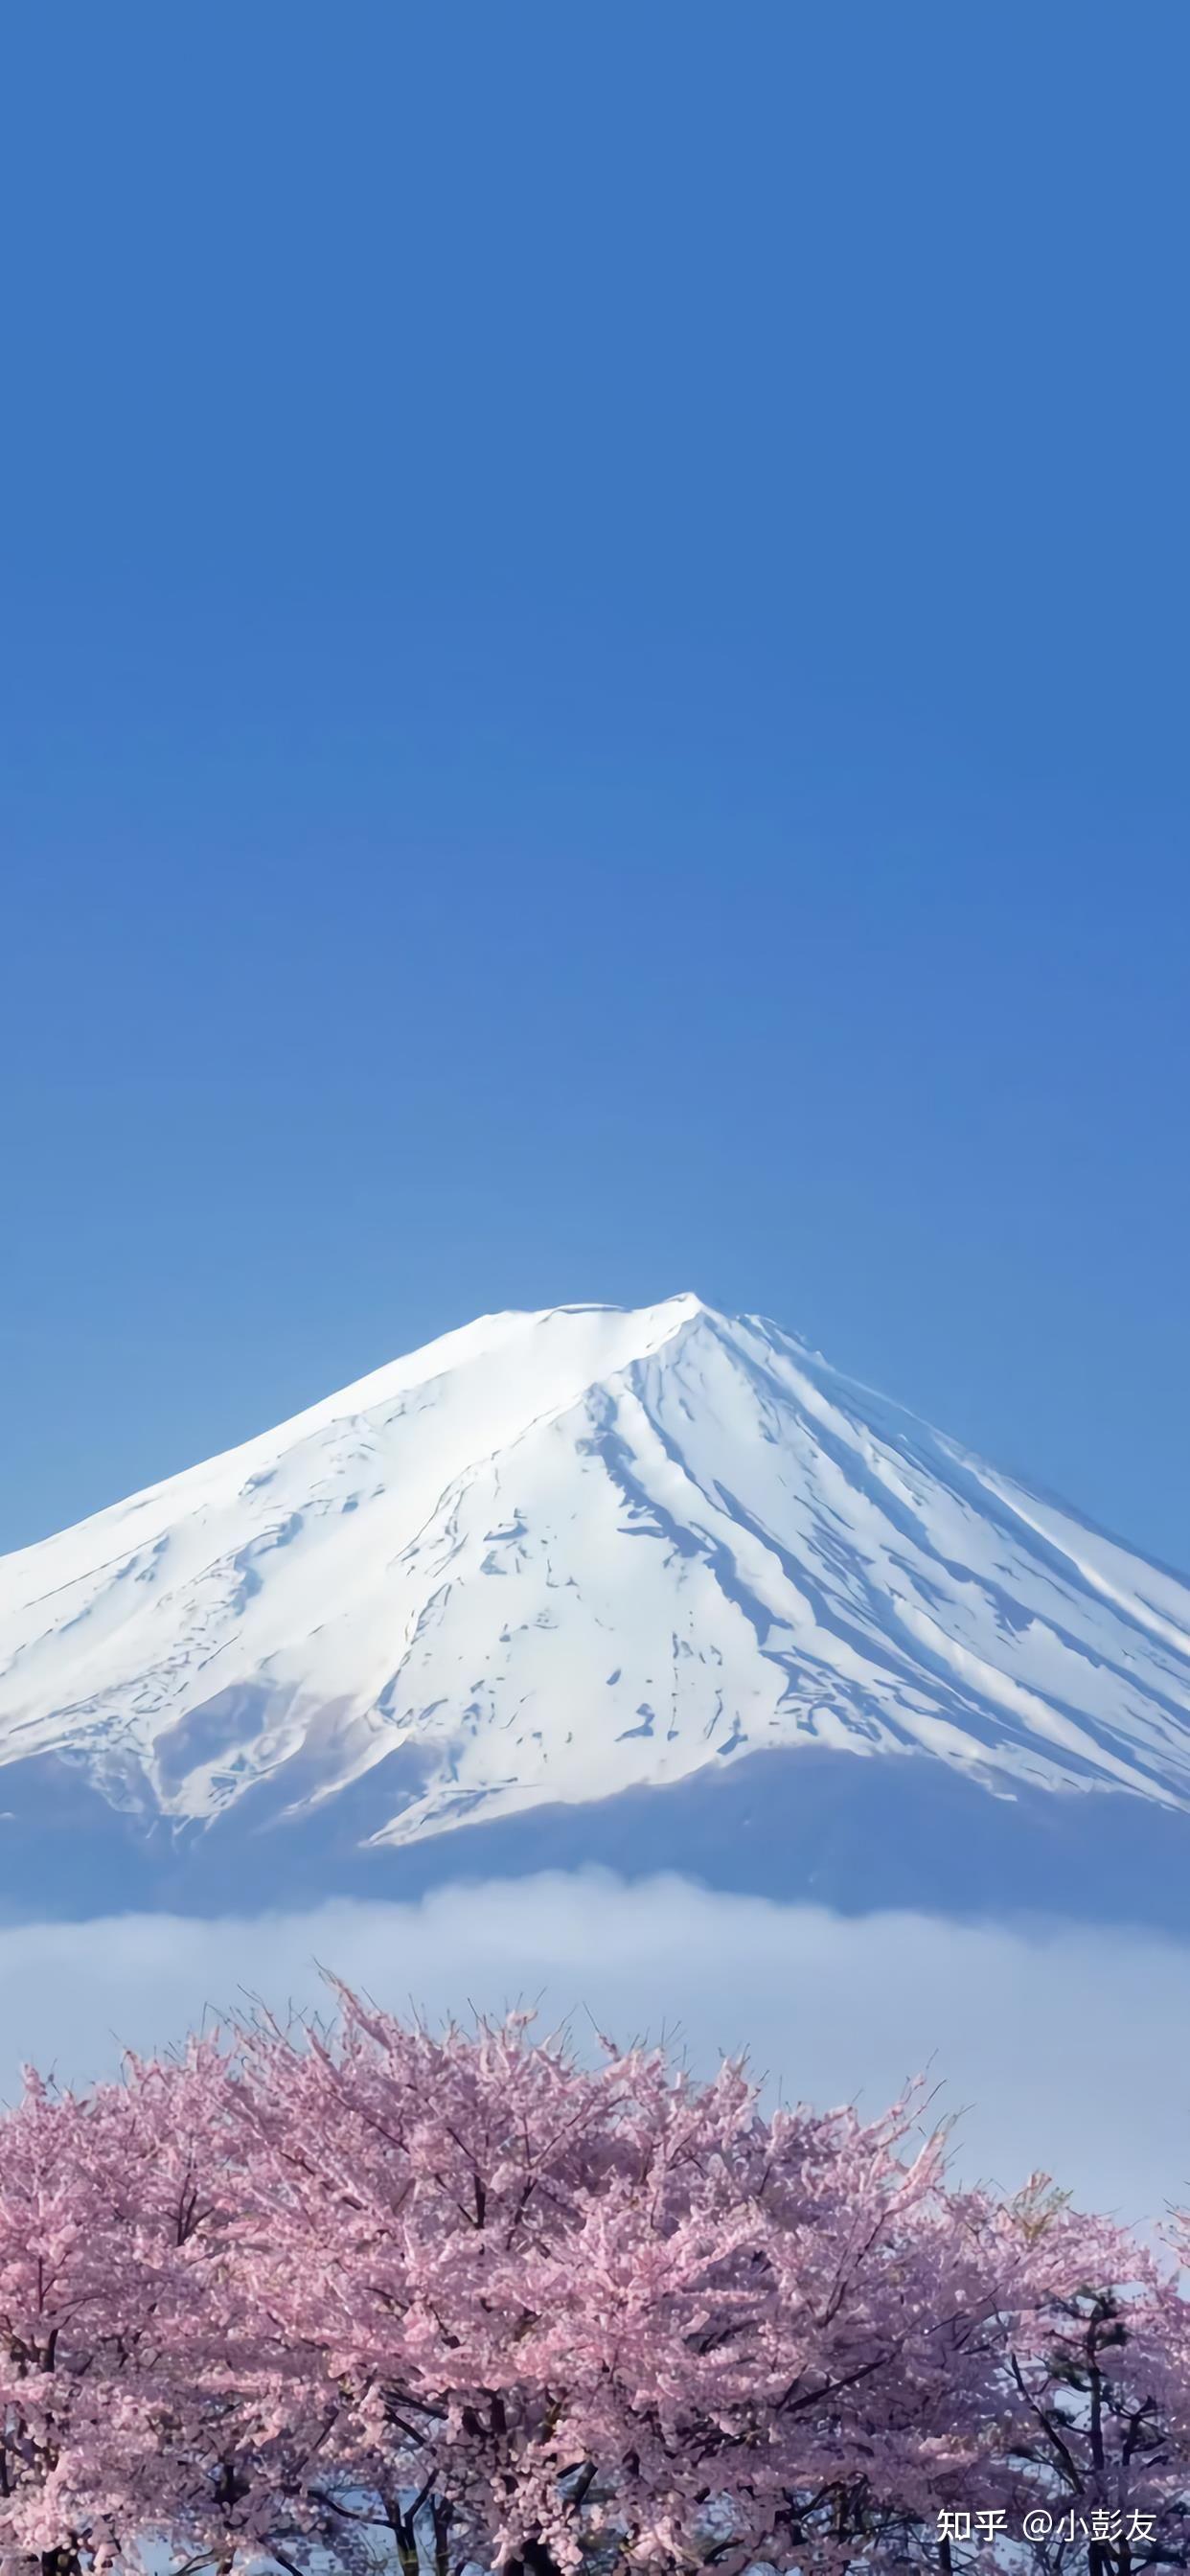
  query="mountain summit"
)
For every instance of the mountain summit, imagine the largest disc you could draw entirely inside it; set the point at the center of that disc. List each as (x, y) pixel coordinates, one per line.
(555, 1558)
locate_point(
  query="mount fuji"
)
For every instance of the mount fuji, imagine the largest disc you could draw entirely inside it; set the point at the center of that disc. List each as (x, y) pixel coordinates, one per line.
(657, 1588)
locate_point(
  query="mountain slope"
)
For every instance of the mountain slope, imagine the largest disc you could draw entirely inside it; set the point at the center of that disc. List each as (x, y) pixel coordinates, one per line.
(554, 1558)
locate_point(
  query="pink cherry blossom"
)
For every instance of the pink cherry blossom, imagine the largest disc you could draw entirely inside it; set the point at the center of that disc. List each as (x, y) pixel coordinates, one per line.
(463, 2300)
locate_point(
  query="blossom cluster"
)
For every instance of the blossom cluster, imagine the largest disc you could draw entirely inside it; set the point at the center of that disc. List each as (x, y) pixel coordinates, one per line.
(385, 2297)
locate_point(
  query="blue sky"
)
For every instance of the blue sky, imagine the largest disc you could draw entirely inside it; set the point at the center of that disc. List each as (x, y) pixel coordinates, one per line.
(593, 687)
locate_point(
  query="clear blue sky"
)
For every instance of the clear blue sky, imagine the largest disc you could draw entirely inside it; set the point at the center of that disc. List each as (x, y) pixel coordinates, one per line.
(594, 692)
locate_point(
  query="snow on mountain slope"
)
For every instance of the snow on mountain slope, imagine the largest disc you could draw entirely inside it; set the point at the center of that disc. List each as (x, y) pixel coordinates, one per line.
(554, 1556)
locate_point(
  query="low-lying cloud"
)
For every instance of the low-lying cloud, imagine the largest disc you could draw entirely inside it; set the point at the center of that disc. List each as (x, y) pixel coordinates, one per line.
(1064, 2050)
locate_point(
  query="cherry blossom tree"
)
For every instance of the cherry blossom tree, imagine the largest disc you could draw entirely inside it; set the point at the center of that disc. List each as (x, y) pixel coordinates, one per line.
(144, 2391)
(614, 2311)
(94, 2229)
(1083, 2463)
(463, 2301)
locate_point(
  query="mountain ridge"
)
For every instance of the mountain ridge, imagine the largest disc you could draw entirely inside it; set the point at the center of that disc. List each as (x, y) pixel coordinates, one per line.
(555, 1558)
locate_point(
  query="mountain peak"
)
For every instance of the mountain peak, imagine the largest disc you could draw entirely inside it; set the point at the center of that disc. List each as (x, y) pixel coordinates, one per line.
(555, 1555)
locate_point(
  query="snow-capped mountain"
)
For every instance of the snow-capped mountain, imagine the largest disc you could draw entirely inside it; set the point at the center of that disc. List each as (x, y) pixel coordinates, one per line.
(555, 1558)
